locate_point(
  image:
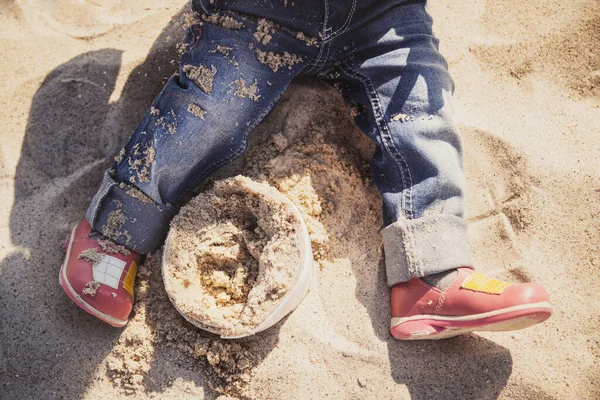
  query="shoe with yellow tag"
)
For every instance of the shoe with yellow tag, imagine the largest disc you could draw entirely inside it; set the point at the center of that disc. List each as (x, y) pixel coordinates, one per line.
(471, 302)
(98, 275)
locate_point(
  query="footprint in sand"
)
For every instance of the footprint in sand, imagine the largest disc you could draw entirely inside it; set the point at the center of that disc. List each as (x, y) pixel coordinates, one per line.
(500, 192)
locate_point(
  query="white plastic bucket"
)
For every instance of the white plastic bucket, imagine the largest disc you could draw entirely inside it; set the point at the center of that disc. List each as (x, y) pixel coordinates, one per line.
(288, 302)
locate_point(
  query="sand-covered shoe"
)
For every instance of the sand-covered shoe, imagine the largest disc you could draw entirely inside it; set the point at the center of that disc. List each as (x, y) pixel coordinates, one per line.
(98, 275)
(473, 302)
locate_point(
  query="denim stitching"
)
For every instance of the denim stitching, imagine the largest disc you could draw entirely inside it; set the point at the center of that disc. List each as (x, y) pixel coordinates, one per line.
(326, 19)
(417, 269)
(324, 60)
(315, 62)
(409, 255)
(346, 25)
(386, 137)
(321, 63)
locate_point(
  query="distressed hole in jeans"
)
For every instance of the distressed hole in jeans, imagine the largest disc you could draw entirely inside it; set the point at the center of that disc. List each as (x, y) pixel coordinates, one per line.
(202, 76)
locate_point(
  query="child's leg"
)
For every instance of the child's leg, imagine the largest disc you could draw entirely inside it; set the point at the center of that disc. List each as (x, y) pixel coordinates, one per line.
(199, 122)
(402, 83)
(229, 78)
(403, 87)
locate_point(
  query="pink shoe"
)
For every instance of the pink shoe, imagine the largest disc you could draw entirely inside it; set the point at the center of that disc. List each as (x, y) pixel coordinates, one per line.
(98, 275)
(473, 302)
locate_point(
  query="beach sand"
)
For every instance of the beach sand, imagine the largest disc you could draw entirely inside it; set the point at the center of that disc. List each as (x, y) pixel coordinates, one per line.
(78, 76)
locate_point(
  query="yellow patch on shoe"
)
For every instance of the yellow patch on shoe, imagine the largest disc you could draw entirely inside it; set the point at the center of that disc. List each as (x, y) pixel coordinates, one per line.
(129, 279)
(481, 283)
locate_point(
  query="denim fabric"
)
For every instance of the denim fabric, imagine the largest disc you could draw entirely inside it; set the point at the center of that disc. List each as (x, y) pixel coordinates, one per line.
(381, 54)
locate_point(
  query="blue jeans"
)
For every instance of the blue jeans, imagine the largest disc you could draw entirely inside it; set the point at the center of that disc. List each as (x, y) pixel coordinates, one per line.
(383, 56)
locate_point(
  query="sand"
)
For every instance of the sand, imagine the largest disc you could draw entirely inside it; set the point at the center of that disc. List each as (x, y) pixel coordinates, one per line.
(242, 90)
(108, 246)
(202, 76)
(264, 31)
(276, 61)
(233, 254)
(77, 77)
(90, 255)
(90, 288)
(224, 21)
(196, 110)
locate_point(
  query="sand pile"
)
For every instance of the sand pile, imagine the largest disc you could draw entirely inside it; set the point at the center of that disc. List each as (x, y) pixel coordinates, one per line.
(233, 254)
(228, 365)
(324, 172)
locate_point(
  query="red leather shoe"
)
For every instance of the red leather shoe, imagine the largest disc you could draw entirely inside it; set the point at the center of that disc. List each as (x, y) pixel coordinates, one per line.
(98, 275)
(473, 302)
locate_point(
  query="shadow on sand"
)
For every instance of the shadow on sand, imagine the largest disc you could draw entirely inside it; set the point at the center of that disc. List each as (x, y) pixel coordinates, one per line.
(73, 131)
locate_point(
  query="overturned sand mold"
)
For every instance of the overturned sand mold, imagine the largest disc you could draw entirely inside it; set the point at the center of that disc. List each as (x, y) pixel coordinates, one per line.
(233, 253)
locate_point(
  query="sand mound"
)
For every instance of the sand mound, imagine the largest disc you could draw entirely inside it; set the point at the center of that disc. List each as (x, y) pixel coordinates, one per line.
(313, 161)
(233, 254)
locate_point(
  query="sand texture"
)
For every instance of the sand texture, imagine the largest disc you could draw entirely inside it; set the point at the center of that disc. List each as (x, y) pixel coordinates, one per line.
(233, 254)
(77, 77)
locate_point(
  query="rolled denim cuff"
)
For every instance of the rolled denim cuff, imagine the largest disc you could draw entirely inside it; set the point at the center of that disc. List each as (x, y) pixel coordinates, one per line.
(127, 216)
(425, 246)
